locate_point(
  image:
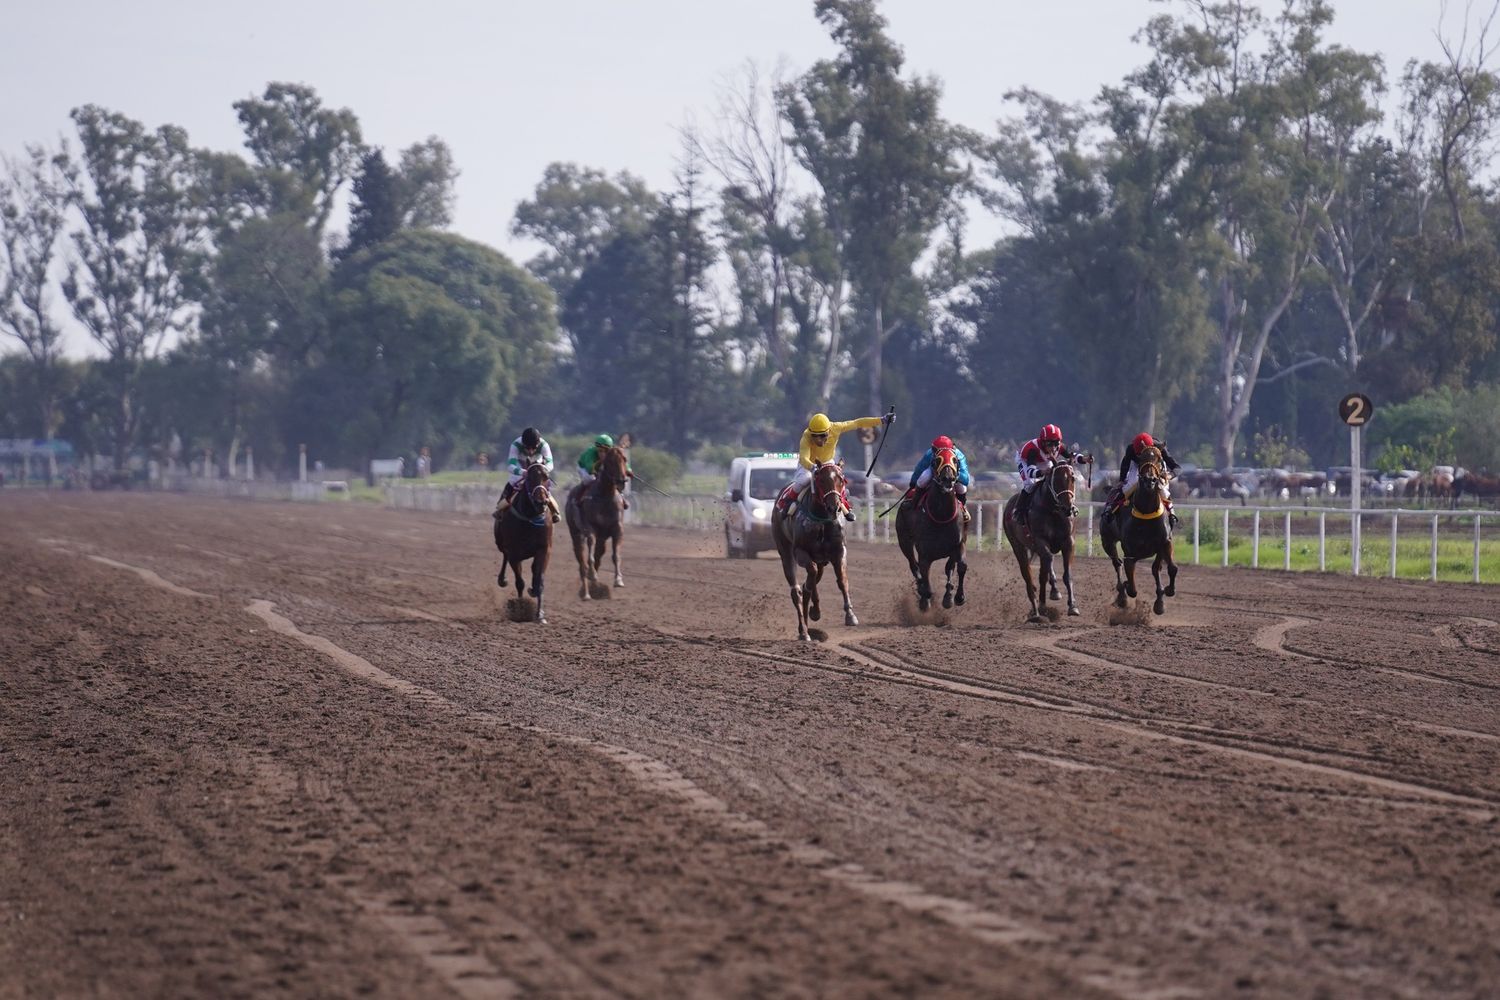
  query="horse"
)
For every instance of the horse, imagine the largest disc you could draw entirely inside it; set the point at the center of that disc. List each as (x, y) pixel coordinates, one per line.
(595, 513)
(931, 527)
(1047, 530)
(524, 532)
(1140, 530)
(813, 538)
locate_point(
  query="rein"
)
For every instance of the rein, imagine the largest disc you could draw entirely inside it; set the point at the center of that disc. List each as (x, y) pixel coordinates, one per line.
(1056, 494)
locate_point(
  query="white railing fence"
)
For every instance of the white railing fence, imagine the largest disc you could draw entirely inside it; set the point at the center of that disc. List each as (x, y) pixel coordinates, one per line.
(1412, 544)
(254, 489)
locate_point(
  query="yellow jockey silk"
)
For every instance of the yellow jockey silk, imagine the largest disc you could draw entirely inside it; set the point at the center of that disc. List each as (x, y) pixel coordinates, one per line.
(808, 452)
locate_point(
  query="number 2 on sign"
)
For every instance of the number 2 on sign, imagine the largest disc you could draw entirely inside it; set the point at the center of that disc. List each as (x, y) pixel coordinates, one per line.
(1356, 411)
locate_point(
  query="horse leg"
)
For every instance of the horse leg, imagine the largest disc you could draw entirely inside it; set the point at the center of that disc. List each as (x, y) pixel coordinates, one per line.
(789, 568)
(810, 592)
(1067, 554)
(924, 585)
(1052, 584)
(1043, 577)
(963, 567)
(1023, 559)
(1130, 576)
(1171, 590)
(500, 546)
(1160, 607)
(841, 576)
(614, 555)
(1109, 542)
(948, 568)
(580, 552)
(538, 567)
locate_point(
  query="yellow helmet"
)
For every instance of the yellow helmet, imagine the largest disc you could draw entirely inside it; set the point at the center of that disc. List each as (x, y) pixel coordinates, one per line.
(819, 423)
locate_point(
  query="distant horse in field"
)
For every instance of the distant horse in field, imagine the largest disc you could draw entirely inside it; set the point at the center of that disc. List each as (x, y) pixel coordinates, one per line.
(1046, 530)
(812, 538)
(1477, 486)
(1142, 530)
(524, 531)
(930, 527)
(595, 515)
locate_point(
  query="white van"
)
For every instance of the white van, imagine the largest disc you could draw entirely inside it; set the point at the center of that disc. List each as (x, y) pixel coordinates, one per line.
(754, 482)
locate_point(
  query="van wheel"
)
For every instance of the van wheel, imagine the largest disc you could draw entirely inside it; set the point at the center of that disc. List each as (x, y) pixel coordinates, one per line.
(729, 552)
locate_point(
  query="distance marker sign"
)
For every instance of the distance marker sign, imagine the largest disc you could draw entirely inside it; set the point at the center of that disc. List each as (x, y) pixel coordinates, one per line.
(1356, 409)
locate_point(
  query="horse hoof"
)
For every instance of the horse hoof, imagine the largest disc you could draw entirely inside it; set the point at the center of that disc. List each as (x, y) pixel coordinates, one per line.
(1035, 618)
(583, 594)
(1054, 596)
(947, 601)
(849, 619)
(1171, 591)
(500, 580)
(1160, 607)
(813, 613)
(1074, 613)
(923, 604)
(804, 637)
(619, 582)
(1120, 601)
(1130, 591)
(959, 600)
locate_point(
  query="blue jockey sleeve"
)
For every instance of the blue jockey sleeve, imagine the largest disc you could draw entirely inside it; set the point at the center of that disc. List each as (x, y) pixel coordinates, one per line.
(922, 466)
(963, 466)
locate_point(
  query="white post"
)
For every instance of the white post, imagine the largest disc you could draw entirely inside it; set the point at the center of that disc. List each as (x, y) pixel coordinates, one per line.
(1196, 512)
(1286, 542)
(869, 495)
(1476, 546)
(1090, 549)
(1393, 543)
(1356, 475)
(1322, 541)
(1226, 538)
(979, 527)
(249, 462)
(1434, 545)
(1255, 539)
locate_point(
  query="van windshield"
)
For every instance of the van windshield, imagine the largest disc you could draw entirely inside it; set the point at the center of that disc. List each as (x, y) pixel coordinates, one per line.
(766, 483)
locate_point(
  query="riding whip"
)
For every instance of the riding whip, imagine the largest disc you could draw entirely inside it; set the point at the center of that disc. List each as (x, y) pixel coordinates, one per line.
(884, 434)
(892, 506)
(638, 479)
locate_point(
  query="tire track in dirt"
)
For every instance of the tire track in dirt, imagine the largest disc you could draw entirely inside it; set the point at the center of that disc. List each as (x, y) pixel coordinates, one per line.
(1273, 639)
(1255, 748)
(986, 926)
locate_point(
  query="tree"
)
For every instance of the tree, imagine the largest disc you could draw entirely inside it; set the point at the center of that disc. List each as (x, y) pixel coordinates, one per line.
(431, 336)
(33, 213)
(425, 183)
(575, 213)
(886, 161)
(141, 240)
(305, 152)
(376, 214)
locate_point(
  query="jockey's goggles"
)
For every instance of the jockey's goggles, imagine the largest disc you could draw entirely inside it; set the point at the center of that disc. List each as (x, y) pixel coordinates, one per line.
(819, 437)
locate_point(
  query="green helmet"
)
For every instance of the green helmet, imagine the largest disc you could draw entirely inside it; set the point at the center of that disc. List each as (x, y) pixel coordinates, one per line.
(605, 440)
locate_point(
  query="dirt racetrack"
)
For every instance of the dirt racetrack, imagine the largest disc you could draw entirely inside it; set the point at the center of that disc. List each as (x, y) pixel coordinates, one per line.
(271, 749)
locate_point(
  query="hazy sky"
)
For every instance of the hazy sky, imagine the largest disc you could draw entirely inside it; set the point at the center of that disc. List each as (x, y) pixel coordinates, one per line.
(512, 86)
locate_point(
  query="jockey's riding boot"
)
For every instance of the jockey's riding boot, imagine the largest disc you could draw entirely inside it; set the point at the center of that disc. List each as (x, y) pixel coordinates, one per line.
(963, 505)
(552, 506)
(1171, 516)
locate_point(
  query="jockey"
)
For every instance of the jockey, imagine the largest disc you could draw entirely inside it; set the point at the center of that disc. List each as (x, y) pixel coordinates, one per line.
(1035, 458)
(589, 461)
(818, 444)
(1130, 472)
(922, 474)
(525, 451)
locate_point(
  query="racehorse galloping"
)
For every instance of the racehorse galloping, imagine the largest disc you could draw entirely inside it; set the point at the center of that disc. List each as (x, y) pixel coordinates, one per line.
(595, 514)
(1047, 530)
(812, 538)
(1142, 530)
(524, 531)
(931, 527)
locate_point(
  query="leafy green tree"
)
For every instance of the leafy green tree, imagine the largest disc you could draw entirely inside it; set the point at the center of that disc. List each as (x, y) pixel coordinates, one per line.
(886, 161)
(304, 152)
(33, 212)
(425, 181)
(376, 213)
(431, 335)
(141, 239)
(575, 213)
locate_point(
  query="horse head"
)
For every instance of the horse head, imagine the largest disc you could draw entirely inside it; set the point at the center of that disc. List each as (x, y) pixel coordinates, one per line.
(535, 484)
(611, 468)
(945, 470)
(1149, 491)
(1062, 485)
(828, 485)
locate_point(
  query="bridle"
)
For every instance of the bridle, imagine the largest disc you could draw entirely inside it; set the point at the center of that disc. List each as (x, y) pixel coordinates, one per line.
(835, 488)
(1150, 479)
(1056, 494)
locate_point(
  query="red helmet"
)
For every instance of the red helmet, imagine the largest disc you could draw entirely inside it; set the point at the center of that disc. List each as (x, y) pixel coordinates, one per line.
(942, 441)
(1142, 441)
(1051, 432)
